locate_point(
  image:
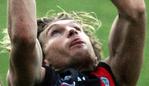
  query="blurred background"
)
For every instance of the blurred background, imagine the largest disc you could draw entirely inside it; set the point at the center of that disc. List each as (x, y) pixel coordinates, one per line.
(105, 11)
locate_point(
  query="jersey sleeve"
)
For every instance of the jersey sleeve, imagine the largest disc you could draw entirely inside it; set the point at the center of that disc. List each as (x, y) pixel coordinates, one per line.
(105, 75)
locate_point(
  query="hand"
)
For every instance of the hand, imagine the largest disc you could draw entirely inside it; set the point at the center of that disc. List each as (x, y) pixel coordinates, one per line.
(129, 8)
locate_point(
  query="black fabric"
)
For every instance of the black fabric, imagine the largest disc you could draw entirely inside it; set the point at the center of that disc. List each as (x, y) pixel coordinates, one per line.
(89, 80)
(50, 77)
(72, 77)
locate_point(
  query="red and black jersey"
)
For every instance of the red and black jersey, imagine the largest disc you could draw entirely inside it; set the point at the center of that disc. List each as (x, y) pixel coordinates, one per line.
(101, 76)
(105, 75)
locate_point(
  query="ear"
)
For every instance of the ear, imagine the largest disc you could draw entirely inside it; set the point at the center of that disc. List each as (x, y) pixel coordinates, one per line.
(97, 49)
(46, 62)
(41, 23)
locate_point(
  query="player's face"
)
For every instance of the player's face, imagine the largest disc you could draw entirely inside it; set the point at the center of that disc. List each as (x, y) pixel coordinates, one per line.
(67, 45)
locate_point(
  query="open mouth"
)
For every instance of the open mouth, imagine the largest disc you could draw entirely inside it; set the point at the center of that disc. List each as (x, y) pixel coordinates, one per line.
(76, 43)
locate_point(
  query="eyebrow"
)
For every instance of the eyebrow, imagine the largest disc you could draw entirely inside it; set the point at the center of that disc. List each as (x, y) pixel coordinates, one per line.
(51, 26)
(74, 23)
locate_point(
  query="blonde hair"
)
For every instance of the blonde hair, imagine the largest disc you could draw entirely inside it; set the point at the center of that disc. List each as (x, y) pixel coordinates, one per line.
(88, 20)
(5, 44)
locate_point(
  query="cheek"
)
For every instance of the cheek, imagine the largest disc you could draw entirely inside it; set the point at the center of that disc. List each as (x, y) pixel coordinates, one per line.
(87, 40)
(55, 43)
(89, 45)
(53, 46)
(56, 54)
(56, 47)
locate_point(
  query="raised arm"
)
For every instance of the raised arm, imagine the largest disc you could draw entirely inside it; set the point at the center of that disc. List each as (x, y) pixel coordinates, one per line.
(25, 57)
(127, 41)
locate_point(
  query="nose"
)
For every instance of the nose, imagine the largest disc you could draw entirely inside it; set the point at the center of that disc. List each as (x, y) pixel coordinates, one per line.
(72, 32)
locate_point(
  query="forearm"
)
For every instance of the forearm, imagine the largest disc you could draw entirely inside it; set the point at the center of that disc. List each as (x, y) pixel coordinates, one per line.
(131, 9)
(127, 41)
(129, 25)
(22, 19)
(25, 57)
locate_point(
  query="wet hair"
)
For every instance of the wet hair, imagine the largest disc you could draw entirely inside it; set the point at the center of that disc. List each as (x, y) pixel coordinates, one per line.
(89, 23)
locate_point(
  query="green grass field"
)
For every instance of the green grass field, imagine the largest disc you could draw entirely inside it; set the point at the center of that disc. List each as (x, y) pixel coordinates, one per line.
(103, 8)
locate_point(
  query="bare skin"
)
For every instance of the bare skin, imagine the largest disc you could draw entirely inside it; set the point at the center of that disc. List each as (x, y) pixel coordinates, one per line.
(126, 43)
(66, 40)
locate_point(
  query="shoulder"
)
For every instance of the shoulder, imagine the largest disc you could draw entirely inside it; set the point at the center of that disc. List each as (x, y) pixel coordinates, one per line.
(104, 68)
(105, 74)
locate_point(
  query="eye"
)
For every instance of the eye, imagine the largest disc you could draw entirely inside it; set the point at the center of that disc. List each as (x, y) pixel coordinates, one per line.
(77, 28)
(56, 33)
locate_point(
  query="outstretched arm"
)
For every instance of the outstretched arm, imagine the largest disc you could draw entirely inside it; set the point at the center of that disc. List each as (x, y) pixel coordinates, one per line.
(127, 41)
(25, 57)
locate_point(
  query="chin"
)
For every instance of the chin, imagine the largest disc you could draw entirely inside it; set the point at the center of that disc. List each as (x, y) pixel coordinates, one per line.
(83, 61)
(79, 51)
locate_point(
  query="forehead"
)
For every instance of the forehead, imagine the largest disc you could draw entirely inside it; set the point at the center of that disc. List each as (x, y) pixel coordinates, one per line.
(64, 22)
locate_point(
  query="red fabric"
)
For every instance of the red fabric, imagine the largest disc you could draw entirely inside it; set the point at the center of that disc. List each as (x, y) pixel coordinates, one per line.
(104, 76)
